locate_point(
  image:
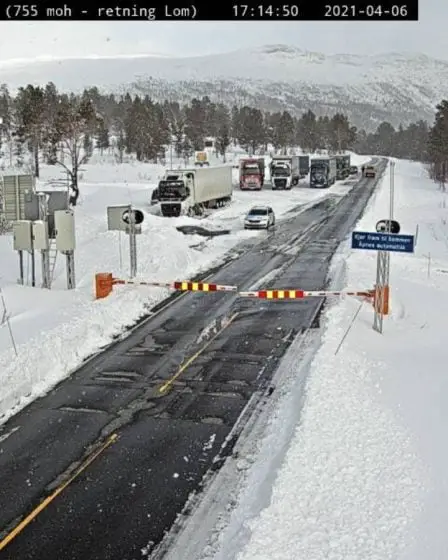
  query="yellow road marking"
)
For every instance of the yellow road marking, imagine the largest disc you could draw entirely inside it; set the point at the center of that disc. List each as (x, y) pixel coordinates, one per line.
(194, 357)
(30, 517)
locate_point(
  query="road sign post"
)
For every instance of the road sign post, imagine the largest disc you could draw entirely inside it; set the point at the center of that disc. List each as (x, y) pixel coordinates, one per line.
(133, 219)
(387, 239)
(132, 244)
(381, 299)
(127, 219)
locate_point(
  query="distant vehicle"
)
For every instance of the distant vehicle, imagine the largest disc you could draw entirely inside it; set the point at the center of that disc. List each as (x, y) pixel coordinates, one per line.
(259, 217)
(252, 173)
(192, 191)
(369, 171)
(201, 159)
(155, 196)
(353, 170)
(209, 143)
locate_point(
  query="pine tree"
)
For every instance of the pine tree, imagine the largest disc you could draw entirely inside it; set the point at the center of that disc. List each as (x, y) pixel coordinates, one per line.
(30, 107)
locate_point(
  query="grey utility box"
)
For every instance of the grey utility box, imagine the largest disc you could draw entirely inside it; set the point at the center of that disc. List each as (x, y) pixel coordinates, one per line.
(64, 221)
(23, 235)
(40, 235)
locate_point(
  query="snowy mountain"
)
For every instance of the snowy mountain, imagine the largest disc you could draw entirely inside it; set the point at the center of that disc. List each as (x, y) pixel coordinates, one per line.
(395, 87)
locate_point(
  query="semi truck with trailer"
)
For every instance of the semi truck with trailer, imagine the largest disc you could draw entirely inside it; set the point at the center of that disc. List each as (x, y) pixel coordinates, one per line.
(192, 191)
(343, 163)
(252, 171)
(323, 172)
(284, 172)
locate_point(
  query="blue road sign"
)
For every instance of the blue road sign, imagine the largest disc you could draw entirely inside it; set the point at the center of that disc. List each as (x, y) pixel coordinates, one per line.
(382, 242)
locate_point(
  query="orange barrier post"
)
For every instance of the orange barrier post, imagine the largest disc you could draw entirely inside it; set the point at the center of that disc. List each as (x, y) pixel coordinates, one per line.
(104, 283)
(381, 300)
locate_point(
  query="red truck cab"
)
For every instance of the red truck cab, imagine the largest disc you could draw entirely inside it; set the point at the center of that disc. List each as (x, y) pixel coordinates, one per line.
(252, 174)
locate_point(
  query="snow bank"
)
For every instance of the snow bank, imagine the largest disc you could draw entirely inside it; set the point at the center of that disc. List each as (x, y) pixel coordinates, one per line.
(365, 473)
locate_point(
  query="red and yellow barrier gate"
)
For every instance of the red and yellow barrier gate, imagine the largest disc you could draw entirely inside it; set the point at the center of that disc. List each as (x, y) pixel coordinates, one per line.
(202, 287)
(274, 294)
(105, 281)
(300, 294)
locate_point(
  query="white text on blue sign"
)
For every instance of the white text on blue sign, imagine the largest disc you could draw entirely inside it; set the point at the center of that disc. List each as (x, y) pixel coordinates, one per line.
(383, 241)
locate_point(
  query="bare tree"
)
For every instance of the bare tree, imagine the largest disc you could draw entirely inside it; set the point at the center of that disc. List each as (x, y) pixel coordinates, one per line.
(76, 119)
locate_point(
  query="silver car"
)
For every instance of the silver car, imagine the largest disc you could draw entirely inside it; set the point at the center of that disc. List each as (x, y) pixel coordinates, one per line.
(259, 217)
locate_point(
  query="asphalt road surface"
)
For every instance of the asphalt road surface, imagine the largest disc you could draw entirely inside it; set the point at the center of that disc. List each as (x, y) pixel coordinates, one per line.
(149, 428)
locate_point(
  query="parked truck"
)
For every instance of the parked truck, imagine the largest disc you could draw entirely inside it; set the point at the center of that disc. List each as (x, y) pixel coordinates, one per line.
(343, 163)
(323, 172)
(201, 158)
(252, 171)
(284, 172)
(304, 166)
(192, 191)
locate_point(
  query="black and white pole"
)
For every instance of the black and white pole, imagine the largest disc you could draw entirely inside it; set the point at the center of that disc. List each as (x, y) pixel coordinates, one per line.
(132, 243)
(133, 219)
(70, 267)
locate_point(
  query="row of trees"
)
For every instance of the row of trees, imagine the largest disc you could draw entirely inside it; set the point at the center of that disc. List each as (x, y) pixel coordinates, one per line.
(437, 153)
(64, 129)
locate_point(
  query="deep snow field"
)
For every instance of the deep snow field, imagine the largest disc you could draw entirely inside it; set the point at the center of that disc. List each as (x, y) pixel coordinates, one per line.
(54, 330)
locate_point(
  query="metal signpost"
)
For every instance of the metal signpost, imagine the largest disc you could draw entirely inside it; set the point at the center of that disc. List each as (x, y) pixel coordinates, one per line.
(384, 243)
(387, 239)
(129, 220)
(381, 289)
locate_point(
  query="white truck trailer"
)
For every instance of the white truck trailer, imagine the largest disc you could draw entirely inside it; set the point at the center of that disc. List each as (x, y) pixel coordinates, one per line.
(192, 191)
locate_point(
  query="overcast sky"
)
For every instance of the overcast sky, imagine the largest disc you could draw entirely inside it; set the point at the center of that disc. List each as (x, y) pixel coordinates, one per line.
(68, 39)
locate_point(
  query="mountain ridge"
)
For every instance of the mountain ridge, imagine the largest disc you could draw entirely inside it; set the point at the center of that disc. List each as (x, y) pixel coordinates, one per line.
(398, 87)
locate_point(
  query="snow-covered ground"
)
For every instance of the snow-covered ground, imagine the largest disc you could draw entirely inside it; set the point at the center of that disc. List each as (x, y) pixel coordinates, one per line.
(364, 473)
(55, 330)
